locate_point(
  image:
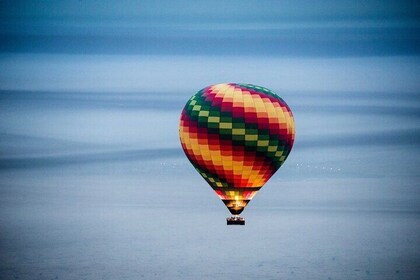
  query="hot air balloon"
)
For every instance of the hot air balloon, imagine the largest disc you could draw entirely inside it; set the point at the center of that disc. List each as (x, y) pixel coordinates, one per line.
(236, 136)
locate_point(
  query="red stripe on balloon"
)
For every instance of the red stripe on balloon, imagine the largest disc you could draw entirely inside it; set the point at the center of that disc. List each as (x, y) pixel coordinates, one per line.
(274, 128)
(238, 153)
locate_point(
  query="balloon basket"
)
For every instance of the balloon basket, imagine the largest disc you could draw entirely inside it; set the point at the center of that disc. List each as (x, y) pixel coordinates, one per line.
(235, 220)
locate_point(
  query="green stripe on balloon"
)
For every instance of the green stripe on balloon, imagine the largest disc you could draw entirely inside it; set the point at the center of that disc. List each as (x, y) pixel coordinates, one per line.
(193, 109)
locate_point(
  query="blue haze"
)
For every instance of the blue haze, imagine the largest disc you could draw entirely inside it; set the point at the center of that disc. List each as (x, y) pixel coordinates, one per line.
(94, 183)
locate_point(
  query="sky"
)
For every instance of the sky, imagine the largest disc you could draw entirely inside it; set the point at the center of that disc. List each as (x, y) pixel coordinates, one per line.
(94, 183)
(322, 28)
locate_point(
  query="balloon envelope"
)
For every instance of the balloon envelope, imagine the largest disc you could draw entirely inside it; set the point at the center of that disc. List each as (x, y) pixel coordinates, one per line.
(236, 136)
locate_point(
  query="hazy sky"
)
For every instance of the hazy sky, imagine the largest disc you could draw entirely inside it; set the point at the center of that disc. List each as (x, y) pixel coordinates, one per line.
(202, 11)
(93, 180)
(211, 27)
